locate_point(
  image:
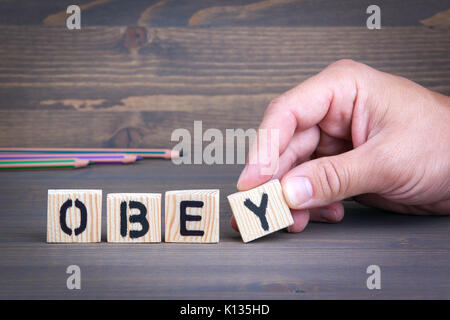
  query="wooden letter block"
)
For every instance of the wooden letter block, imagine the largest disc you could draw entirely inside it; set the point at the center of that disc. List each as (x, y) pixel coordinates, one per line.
(192, 216)
(74, 216)
(134, 217)
(260, 211)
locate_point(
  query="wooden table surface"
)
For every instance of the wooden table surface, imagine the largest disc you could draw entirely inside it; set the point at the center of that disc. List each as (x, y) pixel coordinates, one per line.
(136, 71)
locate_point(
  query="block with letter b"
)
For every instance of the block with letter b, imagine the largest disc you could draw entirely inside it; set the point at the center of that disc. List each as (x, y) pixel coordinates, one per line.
(192, 216)
(134, 217)
(74, 216)
(260, 211)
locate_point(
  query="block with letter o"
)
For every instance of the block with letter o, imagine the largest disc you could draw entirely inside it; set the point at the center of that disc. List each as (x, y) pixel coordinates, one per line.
(74, 216)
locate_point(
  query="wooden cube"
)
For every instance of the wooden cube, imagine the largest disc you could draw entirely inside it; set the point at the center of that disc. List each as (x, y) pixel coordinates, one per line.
(74, 216)
(134, 217)
(192, 216)
(260, 211)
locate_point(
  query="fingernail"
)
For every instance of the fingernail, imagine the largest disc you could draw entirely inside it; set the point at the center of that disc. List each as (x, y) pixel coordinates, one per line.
(298, 191)
(241, 176)
(327, 215)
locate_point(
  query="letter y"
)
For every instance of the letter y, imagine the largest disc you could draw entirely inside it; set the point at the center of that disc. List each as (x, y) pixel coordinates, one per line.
(259, 211)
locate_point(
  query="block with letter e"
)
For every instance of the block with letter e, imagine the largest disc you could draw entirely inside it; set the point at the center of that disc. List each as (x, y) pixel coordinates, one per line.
(74, 216)
(260, 211)
(134, 217)
(192, 216)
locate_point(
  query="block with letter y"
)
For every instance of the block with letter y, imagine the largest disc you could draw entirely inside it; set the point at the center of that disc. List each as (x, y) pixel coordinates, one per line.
(192, 216)
(260, 211)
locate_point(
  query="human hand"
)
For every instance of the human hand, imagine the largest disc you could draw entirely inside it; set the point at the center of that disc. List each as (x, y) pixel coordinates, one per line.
(353, 131)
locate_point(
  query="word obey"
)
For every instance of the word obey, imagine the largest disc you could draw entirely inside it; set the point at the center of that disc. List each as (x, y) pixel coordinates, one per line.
(191, 216)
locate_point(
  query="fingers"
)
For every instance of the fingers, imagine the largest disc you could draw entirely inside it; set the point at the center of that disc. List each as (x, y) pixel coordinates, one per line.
(322, 181)
(332, 213)
(300, 147)
(301, 218)
(330, 146)
(327, 99)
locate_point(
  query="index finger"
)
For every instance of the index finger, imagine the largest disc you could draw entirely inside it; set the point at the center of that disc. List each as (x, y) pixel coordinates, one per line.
(334, 89)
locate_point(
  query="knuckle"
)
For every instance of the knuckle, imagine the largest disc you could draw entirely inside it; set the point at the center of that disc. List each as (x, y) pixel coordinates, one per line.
(279, 108)
(346, 63)
(274, 104)
(332, 180)
(348, 66)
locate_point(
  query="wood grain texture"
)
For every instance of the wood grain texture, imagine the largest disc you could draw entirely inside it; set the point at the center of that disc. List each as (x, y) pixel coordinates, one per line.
(60, 17)
(277, 213)
(440, 20)
(92, 201)
(118, 83)
(169, 13)
(325, 261)
(152, 203)
(209, 214)
(52, 80)
(220, 15)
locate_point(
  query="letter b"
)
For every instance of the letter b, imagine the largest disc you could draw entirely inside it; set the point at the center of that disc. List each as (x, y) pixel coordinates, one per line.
(140, 218)
(134, 217)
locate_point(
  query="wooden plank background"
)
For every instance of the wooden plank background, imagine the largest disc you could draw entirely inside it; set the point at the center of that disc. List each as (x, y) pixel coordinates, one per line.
(136, 71)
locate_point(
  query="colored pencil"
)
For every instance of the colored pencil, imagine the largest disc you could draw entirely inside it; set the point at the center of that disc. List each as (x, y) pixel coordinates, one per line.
(94, 158)
(146, 153)
(43, 164)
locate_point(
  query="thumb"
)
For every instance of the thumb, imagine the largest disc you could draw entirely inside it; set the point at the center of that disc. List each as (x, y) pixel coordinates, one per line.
(323, 181)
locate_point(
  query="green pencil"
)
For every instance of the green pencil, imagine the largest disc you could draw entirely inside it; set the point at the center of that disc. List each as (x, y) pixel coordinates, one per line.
(43, 164)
